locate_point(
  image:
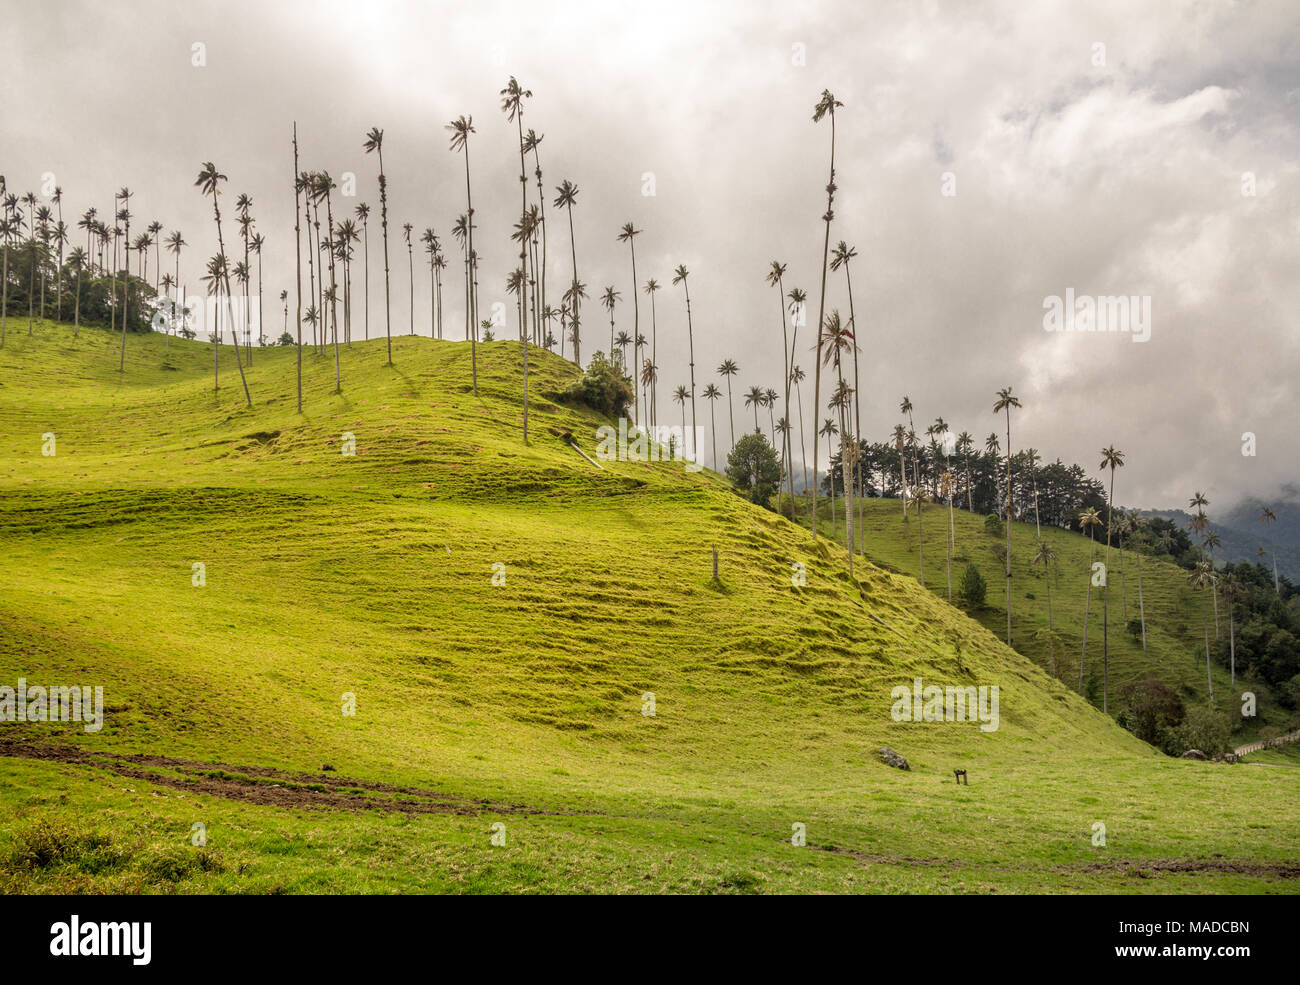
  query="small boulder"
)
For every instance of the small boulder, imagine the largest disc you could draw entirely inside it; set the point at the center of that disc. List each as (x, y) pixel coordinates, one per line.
(893, 759)
(1193, 754)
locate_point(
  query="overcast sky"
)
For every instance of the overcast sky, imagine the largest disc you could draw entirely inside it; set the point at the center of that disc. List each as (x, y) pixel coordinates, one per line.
(1108, 173)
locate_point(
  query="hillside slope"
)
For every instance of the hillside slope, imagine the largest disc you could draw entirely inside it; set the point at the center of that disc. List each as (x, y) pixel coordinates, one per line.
(522, 702)
(1175, 639)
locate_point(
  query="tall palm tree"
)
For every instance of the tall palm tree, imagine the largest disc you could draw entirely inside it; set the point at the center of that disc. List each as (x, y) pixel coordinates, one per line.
(410, 271)
(430, 242)
(77, 261)
(517, 284)
(826, 106)
(125, 196)
(1045, 556)
(532, 141)
(1111, 458)
(769, 399)
(628, 235)
(727, 370)
(829, 429)
(512, 104)
(679, 397)
(362, 212)
(374, 144)
(776, 278)
(841, 257)
(838, 339)
(652, 288)
(609, 299)
(679, 277)
(1005, 401)
(297, 258)
(1135, 527)
(754, 398)
(797, 376)
(712, 393)
(566, 196)
(623, 340)
(1267, 517)
(1089, 520)
(1201, 578)
(461, 128)
(209, 183)
(964, 444)
(257, 242)
(649, 377)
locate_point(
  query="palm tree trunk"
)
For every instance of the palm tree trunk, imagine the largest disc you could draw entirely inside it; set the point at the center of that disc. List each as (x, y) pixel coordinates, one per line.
(1087, 606)
(1142, 613)
(821, 313)
(297, 257)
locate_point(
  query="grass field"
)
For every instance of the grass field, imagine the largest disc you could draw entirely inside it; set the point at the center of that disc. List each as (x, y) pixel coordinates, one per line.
(520, 703)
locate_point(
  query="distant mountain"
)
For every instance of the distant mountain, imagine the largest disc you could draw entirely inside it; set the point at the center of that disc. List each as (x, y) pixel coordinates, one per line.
(1243, 534)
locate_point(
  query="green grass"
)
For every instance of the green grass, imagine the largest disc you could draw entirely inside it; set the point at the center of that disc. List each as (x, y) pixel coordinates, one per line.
(519, 703)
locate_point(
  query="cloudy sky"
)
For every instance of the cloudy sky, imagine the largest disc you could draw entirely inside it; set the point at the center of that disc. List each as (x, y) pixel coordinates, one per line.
(1103, 151)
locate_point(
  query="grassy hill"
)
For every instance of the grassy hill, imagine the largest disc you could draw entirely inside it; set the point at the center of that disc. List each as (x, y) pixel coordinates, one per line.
(1175, 642)
(521, 703)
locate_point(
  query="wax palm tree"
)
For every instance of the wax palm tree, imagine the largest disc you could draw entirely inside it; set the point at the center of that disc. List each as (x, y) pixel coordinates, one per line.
(1135, 527)
(842, 255)
(216, 268)
(257, 242)
(8, 229)
(727, 370)
(900, 446)
(679, 277)
(826, 106)
(512, 104)
(297, 263)
(362, 212)
(776, 278)
(628, 235)
(712, 393)
(1267, 517)
(517, 284)
(209, 183)
(828, 430)
(410, 265)
(374, 144)
(652, 288)
(1005, 401)
(125, 215)
(679, 397)
(1046, 556)
(155, 238)
(609, 299)
(1111, 458)
(176, 243)
(965, 442)
(769, 398)
(754, 398)
(1201, 578)
(566, 197)
(622, 341)
(532, 141)
(839, 403)
(430, 242)
(650, 378)
(1089, 520)
(77, 261)
(797, 376)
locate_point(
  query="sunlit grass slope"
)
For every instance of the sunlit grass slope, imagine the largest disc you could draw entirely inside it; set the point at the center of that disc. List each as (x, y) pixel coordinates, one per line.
(523, 702)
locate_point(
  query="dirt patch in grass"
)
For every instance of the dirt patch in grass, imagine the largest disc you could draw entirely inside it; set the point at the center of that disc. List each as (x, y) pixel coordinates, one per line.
(266, 785)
